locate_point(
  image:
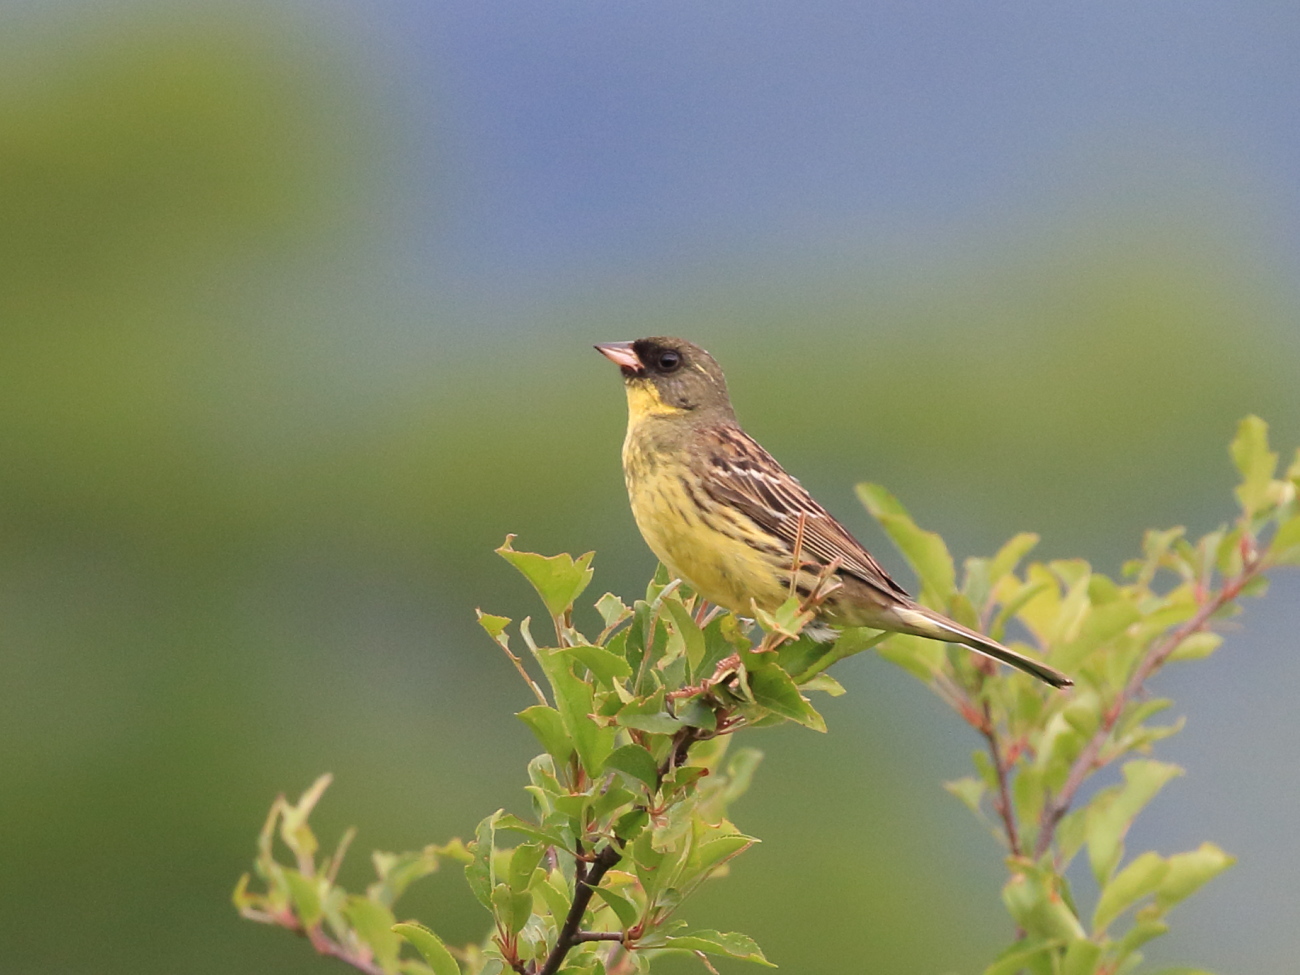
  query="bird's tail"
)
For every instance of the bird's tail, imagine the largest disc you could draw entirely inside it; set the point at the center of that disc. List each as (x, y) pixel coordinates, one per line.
(921, 621)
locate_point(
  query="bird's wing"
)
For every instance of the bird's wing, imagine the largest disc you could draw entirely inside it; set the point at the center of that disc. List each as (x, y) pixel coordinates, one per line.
(739, 472)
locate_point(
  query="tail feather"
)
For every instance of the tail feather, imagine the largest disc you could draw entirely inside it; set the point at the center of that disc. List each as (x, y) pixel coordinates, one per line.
(921, 621)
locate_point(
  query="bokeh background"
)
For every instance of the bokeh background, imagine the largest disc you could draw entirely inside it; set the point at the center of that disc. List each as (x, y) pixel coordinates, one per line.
(296, 306)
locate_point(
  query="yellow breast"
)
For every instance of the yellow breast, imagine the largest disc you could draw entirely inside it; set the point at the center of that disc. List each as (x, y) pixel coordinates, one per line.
(706, 545)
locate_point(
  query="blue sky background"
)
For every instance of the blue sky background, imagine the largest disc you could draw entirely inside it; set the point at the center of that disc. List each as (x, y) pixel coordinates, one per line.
(637, 139)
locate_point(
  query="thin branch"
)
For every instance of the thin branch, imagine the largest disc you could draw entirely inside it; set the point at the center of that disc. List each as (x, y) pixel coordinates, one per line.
(682, 743)
(344, 843)
(1089, 759)
(587, 877)
(322, 942)
(326, 946)
(579, 862)
(582, 936)
(519, 666)
(582, 891)
(1002, 805)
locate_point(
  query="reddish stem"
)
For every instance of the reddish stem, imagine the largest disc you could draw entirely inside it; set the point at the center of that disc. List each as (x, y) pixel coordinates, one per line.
(1090, 758)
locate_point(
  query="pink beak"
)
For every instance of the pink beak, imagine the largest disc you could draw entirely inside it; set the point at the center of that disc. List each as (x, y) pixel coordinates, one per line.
(622, 355)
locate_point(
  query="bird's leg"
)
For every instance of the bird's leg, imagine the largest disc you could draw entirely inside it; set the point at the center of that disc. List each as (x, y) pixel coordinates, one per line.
(725, 669)
(705, 613)
(796, 560)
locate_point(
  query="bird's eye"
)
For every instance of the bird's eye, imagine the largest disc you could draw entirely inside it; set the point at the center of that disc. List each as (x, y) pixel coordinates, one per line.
(669, 360)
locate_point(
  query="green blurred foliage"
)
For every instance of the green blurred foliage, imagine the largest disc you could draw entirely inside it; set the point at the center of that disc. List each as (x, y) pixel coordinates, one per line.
(225, 570)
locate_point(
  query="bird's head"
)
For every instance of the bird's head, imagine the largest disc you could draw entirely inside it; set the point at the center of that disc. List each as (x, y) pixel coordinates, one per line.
(669, 377)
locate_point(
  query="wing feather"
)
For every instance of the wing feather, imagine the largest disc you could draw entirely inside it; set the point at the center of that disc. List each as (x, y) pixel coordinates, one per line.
(739, 472)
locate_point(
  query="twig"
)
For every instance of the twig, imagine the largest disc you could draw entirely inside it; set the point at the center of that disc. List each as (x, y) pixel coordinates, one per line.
(588, 875)
(519, 666)
(344, 843)
(1089, 759)
(582, 891)
(1002, 805)
(319, 940)
(682, 742)
(327, 946)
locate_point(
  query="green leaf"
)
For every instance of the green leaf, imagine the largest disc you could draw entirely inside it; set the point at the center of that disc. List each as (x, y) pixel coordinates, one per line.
(805, 659)
(691, 635)
(512, 910)
(1070, 834)
(612, 610)
(729, 945)
(1017, 959)
(647, 861)
(1010, 554)
(523, 862)
(397, 871)
(920, 657)
(430, 946)
(1198, 646)
(1081, 958)
(975, 582)
(824, 683)
(774, 690)
(924, 550)
(636, 761)
(1130, 885)
(1138, 935)
(1074, 608)
(479, 873)
(740, 772)
(648, 714)
(574, 700)
(604, 665)
(242, 897)
(1257, 586)
(1284, 549)
(787, 620)
(1255, 462)
(630, 824)
(969, 790)
(495, 627)
(1023, 596)
(723, 636)
(373, 923)
(548, 726)
(712, 853)
(305, 892)
(544, 834)
(1112, 812)
(1029, 792)
(984, 766)
(558, 579)
(1101, 625)
(555, 892)
(1039, 909)
(295, 832)
(624, 909)
(697, 714)
(1189, 871)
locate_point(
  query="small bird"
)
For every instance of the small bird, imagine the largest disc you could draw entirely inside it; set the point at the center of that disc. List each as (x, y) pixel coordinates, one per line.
(724, 517)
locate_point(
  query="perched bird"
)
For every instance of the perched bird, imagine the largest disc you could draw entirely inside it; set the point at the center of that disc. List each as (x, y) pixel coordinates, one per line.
(726, 518)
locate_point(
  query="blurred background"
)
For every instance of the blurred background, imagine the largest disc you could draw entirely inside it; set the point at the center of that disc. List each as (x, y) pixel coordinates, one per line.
(297, 303)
